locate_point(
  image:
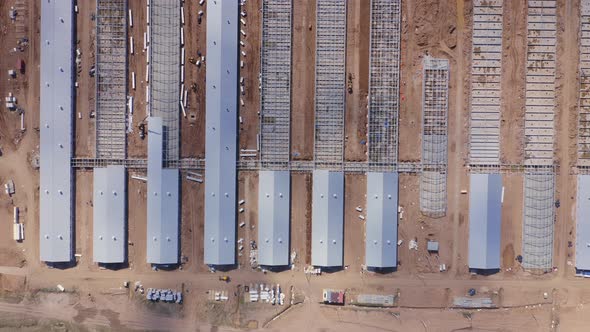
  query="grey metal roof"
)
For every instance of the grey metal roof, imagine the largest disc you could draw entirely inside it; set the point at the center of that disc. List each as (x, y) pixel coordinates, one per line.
(327, 223)
(162, 201)
(109, 211)
(485, 221)
(56, 110)
(273, 217)
(221, 132)
(583, 223)
(381, 224)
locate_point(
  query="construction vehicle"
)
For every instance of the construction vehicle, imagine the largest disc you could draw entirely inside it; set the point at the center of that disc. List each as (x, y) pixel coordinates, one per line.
(192, 60)
(224, 278)
(141, 127)
(142, 130)
(349, 83)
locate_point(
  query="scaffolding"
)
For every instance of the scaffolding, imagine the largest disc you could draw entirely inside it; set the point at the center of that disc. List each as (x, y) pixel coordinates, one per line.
(275, 104)
(248, 165)
(539, 217)
(111, 78)
(584, 93)
(330, 81)
(384, 81)
(22, 13)
(164, 71)
(540, 82)
(435, 90)
(486, 70)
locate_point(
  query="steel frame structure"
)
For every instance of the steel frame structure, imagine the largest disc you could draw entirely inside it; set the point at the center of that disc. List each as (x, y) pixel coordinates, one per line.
(539, 191)
(540, 82)
(486, 71)
(384, 58)
(538, 220)
(330, 82)
(275, 94)
(435, 104)
(111, 78)
(584, 92)
(164, 72)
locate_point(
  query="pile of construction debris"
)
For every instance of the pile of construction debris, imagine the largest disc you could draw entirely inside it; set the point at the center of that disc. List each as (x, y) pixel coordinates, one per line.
(264, 293)
(164, 295)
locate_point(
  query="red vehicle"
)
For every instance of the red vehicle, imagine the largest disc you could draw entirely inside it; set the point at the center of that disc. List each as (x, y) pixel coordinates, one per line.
(20, 64)
(332, 296)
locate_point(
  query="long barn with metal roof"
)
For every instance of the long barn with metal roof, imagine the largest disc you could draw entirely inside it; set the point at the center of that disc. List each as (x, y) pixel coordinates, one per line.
(485, 221)
(273, 217)
(162, 201)
(381, 224)
(221, 132)
(109, 215)
(327, 221)
(583, 224)
(56, 110)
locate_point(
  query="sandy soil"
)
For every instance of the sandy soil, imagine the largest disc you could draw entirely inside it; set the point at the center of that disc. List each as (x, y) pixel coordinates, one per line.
(427, 27)
(303, 78)
(137, 62)
(249, 113)
(85, 94)
(566, 123)
(513, 82)
(512, 212)
(192, 224)
(16, 147)
(357, 65)
(354, 228)
(248, 191)
(83, 223)
(421, 228)
(136, 221)
(192, 127)
(438, 28)
(301, 218)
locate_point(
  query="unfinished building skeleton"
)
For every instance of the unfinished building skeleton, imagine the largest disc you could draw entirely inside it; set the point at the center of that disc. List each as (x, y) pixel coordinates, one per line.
(539, 213)
(435, 95)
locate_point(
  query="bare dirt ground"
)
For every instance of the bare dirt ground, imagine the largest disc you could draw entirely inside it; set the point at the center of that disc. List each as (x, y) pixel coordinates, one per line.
(420, 228)
(301, 218)
(136, 224)
(354, 227)
(513, 82)
(427, 27)
(248, 191)
(567, 86)
(85, 93)
(95, 297)
(303, 78)
(193, 125)
(512, 212)
(17, 148)
(192, 224)
(248, 129)
(137, 62)
(83, 222)
(357, 65)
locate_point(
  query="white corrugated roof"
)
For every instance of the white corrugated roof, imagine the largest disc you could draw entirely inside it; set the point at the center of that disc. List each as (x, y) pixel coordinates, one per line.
(221, 132)
(381, 220)
(327, 223)
(109, 214)
(485, 221)
(162, 201)
(273, 217)
(56, 110)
